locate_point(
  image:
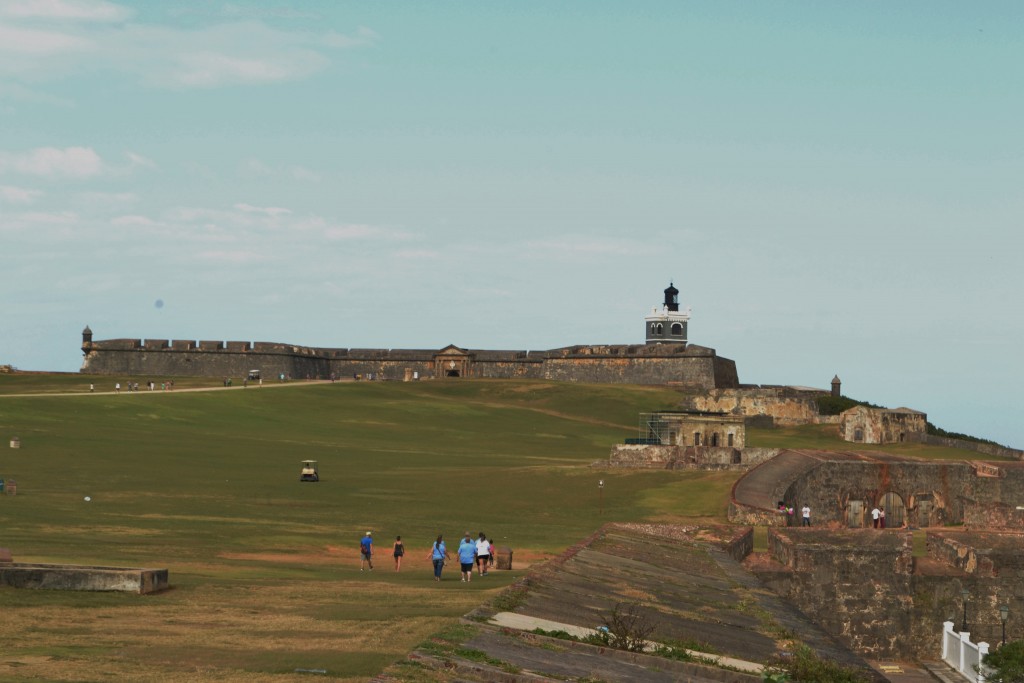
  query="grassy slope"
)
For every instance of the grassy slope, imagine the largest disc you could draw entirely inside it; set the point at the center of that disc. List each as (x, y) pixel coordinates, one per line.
(265, 569)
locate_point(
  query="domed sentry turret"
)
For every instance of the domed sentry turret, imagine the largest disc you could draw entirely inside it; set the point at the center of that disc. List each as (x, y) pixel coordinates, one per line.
(671, 298)
(837, 387)
(667, 326)
(86, 339)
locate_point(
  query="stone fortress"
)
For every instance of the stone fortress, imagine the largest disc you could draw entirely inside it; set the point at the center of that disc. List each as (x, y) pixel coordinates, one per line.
(667, 357)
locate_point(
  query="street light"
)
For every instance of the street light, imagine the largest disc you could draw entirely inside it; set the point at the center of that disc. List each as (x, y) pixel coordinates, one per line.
(965, 594)
(600, 493)
(1004, 614)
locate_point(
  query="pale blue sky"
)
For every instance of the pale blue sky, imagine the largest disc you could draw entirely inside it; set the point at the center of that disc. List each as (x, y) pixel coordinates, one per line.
(834, 187)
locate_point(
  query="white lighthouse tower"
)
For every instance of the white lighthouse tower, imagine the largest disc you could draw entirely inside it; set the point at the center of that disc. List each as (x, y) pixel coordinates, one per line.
(668, 326)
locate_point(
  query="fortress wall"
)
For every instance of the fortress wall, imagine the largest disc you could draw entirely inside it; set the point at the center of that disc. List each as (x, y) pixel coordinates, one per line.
(861, 594)
(785, 406)
(238, 346)
(222, 363)
(692, 372)
(380, 369)
(986, 448)
(828, 487)
(531, 369)
(156, 344)
(211, 345)
(177, 344)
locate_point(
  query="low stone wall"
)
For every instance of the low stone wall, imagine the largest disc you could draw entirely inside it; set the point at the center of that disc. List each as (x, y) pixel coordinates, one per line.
(83, 578)
(741, 546)
(986, 448)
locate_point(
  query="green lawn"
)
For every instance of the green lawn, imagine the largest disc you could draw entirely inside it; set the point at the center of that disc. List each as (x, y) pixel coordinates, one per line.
(206, 484)
(264, 569)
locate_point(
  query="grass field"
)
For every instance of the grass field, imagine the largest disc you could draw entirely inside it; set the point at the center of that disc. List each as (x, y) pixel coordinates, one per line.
(265, 570)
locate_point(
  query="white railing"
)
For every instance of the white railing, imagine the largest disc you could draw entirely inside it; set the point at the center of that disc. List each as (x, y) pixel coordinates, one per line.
(960, 653)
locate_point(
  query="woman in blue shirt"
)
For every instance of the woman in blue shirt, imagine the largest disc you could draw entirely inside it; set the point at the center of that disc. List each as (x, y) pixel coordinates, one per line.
(467, 555)
(438, 554)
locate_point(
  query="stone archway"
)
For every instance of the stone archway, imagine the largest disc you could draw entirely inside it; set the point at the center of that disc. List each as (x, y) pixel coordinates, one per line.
(895, 510)
(856, 514)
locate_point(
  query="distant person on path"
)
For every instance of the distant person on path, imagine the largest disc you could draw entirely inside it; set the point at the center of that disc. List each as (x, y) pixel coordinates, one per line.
(366, 551)
(467, 554)
(117, 388)
(881, 518)
(805, 515)
(438, 554)
(92, 388)
(490, 544)
(875, 516)
(398, 552)
(483, 555)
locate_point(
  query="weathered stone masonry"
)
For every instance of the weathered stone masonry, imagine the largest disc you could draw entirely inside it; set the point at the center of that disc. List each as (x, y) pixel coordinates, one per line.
(690, 366)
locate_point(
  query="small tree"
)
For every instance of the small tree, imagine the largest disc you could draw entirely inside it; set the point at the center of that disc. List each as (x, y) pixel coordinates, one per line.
(626, 628)
(1006, 664)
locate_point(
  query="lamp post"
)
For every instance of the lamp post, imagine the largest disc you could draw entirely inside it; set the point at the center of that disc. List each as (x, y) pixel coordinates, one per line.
(600, 493)
(964, 594)
(1004, 614)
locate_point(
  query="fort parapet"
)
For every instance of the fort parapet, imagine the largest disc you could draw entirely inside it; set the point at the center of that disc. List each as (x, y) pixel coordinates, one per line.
(685, 365)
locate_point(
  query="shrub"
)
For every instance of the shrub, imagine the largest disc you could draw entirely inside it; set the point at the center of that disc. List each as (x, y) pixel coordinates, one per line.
(1006, 663)
(804, 666)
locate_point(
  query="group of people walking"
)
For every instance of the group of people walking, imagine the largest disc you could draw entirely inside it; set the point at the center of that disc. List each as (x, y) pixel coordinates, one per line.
(478, 552)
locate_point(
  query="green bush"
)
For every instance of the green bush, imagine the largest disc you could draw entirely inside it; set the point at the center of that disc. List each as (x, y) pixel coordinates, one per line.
(804, 666)
(1006, 663)
(939, 431)
(833, 405)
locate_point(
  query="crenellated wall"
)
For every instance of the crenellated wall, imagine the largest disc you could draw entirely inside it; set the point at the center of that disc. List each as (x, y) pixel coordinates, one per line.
(691, 366)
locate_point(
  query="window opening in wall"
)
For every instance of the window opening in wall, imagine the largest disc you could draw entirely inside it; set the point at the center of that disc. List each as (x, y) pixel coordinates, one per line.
(696, 438)
(730, 440)
(903, 437)
(714, 439)
(858, 434)
(677, 328)
(661, 328)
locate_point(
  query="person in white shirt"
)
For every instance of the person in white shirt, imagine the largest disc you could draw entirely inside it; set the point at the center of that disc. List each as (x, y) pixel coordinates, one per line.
(483, 554)
(875, 514)
(805, 513)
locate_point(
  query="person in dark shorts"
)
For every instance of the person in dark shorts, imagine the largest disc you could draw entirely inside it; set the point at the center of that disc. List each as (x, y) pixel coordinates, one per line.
(467, 555)
(483, 554)
(398, 552)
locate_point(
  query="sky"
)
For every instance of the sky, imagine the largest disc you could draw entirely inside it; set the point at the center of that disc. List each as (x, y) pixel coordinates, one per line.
(834, 187)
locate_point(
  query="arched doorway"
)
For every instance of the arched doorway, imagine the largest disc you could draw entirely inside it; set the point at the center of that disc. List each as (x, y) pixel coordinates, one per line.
(451, 373)
(895, 510)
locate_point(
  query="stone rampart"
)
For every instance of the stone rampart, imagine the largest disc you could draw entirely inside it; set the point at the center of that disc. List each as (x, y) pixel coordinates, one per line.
(978, 447)
(695, 367)
(856, 585)
(785, 405)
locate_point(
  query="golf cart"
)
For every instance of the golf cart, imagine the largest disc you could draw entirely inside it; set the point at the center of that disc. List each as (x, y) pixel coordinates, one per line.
(309, 471)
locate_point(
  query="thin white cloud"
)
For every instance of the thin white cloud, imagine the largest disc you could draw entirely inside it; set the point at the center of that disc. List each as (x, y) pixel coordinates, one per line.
(265, 210)
(139, 161)
(304, 174)
(134, 220)
(18, 195)
(39, 43)
(51, 162)
(66, 10)
(239, 256)
(256, 167)
(362, 37)
(213, 69)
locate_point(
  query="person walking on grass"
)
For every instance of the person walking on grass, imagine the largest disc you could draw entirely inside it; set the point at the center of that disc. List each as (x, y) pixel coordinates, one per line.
(805, 514)
(398, 552)
(467, 554)
(366, 551)
(438, 554)
(483, 555)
